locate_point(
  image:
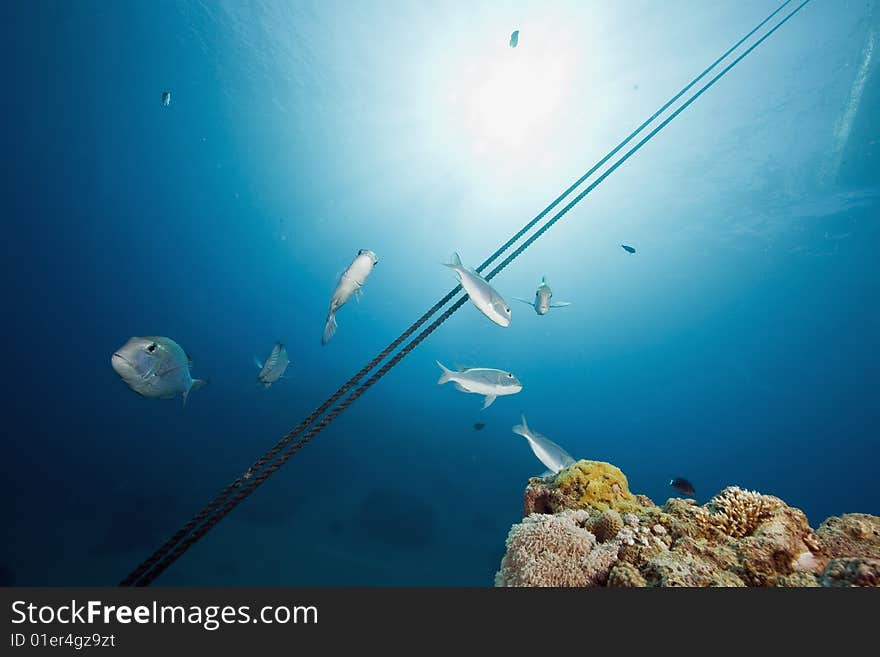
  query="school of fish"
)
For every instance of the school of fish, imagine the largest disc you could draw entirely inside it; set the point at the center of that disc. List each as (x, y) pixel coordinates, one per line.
(158, 367)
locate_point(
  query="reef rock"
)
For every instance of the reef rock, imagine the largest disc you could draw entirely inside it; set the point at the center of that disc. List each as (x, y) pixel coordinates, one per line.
(851, 535)
(852, 572)
(583, 527)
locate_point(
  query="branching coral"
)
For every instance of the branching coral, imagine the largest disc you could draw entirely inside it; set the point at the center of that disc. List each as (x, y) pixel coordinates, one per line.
(737, 512)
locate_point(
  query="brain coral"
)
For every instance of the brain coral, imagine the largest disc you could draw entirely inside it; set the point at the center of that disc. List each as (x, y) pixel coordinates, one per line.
(607, 525)
(554, 550)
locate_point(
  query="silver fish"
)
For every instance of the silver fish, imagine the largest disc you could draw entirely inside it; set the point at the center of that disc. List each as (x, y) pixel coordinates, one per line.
(481, 294)
(350, 282)
(543, 295)
(549, 453)
(166, 98)
(273, 368)
(482, 381)
(155, 367)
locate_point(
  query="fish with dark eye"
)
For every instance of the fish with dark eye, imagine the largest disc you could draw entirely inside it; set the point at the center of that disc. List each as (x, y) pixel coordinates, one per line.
(479, 426)
(155, 367)
(485, 381)
(627, 248)
(683, 486)
(350, 283)
(482, 295)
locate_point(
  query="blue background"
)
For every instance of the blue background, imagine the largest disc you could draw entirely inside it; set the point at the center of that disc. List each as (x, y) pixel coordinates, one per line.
(737, 346)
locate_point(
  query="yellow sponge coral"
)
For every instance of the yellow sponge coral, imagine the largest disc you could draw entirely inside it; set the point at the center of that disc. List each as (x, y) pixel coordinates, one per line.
(595, 484)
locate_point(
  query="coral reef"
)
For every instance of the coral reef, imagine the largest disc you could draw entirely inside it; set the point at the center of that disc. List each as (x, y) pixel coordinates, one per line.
(583, 527)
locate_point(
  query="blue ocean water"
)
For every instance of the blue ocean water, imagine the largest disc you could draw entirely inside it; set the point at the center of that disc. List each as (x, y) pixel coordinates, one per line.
(738, 345)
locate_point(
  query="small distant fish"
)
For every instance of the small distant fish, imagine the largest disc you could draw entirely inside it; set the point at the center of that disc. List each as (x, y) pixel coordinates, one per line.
(683, 486)
(481, 294)
(351, 282)
(514, 38)
(166, 98)
(549, 453)
(155, 367)
(273, 368)
(542, 303)
(481, 381)
(479, 426)
(627, 248)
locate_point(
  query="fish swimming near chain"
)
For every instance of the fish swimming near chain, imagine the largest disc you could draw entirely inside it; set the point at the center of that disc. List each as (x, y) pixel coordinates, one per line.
(273, 368)
(542, 302)
(482, 295)
(155, 367)
(351, 282)
(490, 383)
(549, 453)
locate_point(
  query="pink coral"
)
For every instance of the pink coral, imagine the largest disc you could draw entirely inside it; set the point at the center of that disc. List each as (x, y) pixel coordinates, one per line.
(554, 550)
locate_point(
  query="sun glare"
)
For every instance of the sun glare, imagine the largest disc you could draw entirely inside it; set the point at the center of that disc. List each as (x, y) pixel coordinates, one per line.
(504, 100)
